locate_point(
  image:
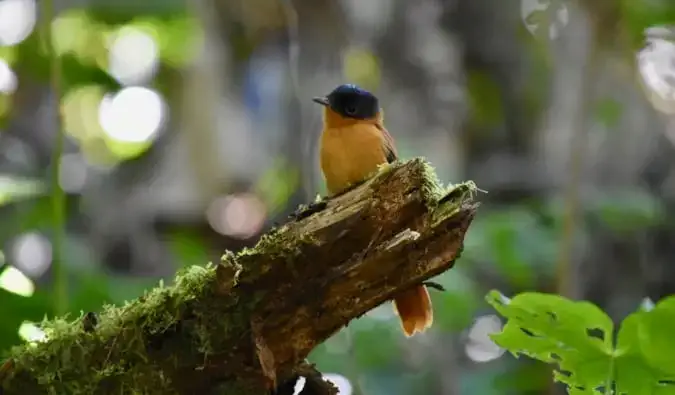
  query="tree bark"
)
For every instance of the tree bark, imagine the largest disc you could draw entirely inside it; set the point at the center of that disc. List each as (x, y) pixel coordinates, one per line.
(246, 324)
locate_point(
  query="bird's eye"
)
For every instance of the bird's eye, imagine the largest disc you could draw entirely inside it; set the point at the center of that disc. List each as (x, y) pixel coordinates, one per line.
(350, 110)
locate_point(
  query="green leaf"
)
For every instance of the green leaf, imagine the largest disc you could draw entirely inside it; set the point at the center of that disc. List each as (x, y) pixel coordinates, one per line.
(575, 335)
(655, 332)
(556, 330)
(634, 374)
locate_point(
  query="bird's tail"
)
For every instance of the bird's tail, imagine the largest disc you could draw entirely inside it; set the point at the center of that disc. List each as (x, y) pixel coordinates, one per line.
(414, 309)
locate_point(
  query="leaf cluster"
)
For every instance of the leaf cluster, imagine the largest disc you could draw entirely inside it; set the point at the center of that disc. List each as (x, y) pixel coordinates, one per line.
(580, 340)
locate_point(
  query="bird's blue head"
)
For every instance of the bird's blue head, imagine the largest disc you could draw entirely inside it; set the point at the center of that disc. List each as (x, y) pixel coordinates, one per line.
(350, 101)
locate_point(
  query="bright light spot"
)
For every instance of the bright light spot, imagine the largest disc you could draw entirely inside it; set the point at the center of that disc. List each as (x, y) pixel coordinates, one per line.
(17, 20)
(133, 57)
(647, 304)
(73, 172)
(240, 216)
(133, 115)
(32, 254)
(12, 280)
(479, 347)
(8, 81)
(31, 332)
(656, 64)
(341, 382)
(538, 14)
(299, 385)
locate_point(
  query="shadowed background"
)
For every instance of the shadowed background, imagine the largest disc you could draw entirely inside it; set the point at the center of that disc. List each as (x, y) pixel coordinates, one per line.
(189, 129)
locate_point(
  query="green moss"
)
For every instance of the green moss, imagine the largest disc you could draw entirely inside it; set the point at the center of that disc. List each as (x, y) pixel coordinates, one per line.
(452, 200)
(229, 260)
(432, 188)
(273, 243)
(65, 357)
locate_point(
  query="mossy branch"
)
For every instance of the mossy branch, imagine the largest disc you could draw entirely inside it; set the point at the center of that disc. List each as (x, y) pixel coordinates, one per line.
(246, 325)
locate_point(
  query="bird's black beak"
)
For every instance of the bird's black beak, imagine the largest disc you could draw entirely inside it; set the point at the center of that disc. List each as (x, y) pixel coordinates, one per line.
(321, 100)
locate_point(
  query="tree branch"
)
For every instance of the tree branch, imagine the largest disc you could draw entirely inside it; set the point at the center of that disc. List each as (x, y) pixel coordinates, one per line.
(246, 325)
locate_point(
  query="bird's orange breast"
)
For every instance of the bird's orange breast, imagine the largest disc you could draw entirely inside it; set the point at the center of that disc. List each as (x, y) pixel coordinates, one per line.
(349, 154)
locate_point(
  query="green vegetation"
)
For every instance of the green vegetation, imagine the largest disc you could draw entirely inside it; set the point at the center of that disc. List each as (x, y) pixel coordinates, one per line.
(580, 339)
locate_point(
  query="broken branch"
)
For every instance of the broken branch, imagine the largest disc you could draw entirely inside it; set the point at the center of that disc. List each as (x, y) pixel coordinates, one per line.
(250, 321)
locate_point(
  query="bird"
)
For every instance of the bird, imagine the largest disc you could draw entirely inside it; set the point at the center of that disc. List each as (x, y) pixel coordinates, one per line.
(354, 144)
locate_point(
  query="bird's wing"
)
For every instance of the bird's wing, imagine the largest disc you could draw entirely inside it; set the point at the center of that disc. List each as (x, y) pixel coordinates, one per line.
(388, 144)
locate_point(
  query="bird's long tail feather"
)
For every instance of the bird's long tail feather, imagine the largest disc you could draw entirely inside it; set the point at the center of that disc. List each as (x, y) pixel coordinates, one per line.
(414, 309)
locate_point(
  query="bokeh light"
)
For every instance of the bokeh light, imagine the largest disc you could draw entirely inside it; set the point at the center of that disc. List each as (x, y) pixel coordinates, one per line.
(32, 253)
(80, 108)
(479, 347)
(133, 56)
(8, 81)
(341, 382)
(240, 216)
(31, 332)
(656, 65)
(73, 172)
(12, 280)
(133, 115)
(17, 20)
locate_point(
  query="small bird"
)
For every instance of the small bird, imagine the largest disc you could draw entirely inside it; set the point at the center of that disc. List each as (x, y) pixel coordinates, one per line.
(354, 143)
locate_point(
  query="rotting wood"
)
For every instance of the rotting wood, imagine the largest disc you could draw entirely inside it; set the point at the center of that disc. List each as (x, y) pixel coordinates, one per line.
(251, 320)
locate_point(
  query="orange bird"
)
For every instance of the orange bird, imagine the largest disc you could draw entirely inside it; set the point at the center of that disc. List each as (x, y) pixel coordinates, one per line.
(354, 143)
